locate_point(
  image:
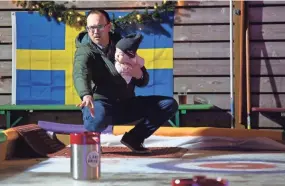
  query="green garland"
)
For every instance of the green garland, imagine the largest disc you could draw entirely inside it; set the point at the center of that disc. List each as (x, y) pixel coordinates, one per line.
(71, 17)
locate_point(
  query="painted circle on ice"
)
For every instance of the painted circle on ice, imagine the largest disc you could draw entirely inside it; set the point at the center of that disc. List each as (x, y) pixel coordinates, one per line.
(223, 166)
(231, 166)
(237, 166)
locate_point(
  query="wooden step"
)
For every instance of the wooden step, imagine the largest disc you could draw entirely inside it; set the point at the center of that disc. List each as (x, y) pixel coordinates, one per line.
(267, 109)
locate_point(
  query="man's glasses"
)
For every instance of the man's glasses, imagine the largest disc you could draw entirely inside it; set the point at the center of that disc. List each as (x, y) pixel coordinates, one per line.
(98, 27)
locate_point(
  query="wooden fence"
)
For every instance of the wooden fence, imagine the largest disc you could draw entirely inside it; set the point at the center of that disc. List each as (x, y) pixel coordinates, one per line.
(201, 54)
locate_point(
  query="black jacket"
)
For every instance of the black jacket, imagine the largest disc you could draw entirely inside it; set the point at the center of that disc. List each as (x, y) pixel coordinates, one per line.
(94, 72)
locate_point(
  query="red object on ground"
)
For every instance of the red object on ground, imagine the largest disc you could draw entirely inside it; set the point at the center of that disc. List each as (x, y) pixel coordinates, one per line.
(199, 181)
(183, 182)
(85, 138)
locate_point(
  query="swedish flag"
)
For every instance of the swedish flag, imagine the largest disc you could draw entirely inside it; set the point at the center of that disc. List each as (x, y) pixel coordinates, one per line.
(44, 55)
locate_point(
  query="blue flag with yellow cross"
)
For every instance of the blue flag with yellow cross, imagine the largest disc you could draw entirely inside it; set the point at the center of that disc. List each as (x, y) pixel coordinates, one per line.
(44, 53)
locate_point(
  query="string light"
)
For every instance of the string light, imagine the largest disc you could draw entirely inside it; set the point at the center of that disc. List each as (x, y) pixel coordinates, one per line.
(145, 16)
(69, 16)
(139, 16)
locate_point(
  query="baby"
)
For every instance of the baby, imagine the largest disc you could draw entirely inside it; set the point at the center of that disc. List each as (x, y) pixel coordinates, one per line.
(126, 55)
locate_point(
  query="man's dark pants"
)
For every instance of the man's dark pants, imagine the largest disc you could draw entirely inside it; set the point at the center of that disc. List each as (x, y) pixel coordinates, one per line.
(152, 111)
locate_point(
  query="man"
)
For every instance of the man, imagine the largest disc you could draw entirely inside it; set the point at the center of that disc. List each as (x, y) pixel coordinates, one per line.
(111, 100)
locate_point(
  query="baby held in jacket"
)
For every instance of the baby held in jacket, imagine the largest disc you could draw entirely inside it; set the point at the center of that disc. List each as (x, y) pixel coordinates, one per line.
(126, 55)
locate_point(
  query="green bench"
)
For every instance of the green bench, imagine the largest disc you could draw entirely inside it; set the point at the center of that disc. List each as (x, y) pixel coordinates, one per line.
(7, 109)
(3, 137)
(182, 109)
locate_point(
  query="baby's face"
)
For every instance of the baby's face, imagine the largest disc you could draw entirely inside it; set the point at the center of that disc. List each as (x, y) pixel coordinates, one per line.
(121, 57)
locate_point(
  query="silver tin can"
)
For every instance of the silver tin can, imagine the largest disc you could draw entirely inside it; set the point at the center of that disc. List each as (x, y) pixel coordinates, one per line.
(85, 160)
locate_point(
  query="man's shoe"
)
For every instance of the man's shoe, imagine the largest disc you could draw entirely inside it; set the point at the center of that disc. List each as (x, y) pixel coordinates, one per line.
(132, 144)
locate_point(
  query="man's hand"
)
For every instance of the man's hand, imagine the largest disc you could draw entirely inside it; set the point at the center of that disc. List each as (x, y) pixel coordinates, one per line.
(88, 102)
(134, 71)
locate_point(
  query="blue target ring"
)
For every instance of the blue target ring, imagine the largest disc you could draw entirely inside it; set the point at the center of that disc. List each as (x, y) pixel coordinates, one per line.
(175, 165)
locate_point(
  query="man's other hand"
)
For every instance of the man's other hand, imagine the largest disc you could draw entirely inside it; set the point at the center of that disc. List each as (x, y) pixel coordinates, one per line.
(135, 71)
(88, 102)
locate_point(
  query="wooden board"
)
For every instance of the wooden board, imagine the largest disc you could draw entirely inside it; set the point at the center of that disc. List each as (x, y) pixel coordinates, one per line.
(266, 14)
(202, 67)
(5, 35)
(202, 84)
(268, 100)
(222, 67)
(267, 49)
(5, 68)
(221, 101)
(5, 18)
(202, 15)
(203, 3)
(120, 4)
(5, 99)
(8, 5)
(258, 66)
(5, 86)
(6, 52)
(266, 2)
(268, 67)
(268, 84)
(202, 50)
(200, 33)
(267, 32)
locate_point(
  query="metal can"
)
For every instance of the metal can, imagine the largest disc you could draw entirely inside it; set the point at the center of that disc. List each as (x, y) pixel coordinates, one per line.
(85, 161)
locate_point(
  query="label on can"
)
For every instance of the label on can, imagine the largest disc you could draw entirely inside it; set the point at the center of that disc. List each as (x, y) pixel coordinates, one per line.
(93, 159)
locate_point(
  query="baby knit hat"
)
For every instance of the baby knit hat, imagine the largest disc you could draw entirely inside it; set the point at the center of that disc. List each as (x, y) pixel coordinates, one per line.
(130, 44)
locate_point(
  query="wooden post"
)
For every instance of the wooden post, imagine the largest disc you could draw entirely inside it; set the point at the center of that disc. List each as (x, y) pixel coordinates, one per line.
(242, 87)
(248, 85)
(238, 60)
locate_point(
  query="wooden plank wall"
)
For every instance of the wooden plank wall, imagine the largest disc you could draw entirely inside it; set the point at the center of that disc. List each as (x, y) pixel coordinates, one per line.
(202, 60)
(201, 54)
(267, 43)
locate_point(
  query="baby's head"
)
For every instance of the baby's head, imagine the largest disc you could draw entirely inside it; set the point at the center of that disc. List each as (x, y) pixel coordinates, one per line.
(127, 47)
